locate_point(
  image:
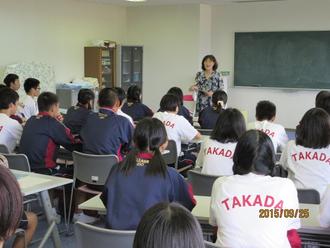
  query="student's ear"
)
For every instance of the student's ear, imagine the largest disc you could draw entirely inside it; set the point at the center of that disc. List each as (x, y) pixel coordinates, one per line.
(163, 146)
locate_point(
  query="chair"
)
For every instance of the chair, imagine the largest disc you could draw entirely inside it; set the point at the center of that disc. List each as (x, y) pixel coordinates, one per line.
(18, 162)
(171, 158)
(202, 184)
(308, 196)
(210, 245)
(4, 149)
(206, 132)
(91, 236)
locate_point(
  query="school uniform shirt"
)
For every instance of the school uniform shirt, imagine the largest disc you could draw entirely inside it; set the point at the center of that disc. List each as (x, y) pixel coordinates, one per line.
(127, 197)
(76, 117)
(237, 203)
(120, 112)
(137, 111)
(216, 158)
(10, 132)
(42, 136)
(275, 131)
(177, 128)
(308, 168)
(30, 107)
(106, 133)
(208, 118)
(183, 111)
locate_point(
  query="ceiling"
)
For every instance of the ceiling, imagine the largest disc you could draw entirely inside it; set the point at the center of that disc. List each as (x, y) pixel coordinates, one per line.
(163, 2)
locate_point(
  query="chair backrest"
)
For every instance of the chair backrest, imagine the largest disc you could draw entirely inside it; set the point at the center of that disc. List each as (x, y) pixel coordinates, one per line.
(18, 162)
(92, 169)
(4, 149)
(206, 132)
(308, 196)
(91, 236)
(172, 156)
(201, 183)
(210, 245)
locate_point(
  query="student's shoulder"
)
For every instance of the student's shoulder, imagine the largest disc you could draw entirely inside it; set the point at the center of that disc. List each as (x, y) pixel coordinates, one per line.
(174, 174)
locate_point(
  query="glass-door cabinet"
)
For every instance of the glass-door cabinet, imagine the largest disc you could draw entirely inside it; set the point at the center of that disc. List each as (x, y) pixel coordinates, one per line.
(130, 71)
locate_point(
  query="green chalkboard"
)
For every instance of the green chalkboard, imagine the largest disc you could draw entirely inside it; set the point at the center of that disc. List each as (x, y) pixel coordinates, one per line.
(283, 59)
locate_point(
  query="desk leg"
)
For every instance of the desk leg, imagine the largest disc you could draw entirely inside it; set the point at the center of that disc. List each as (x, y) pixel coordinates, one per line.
(51, 218)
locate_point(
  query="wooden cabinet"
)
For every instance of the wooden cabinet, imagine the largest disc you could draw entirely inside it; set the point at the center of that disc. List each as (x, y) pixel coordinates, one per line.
(100, 64)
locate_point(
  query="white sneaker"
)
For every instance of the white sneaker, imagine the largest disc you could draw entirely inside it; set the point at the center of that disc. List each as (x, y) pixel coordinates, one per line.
(81, 217)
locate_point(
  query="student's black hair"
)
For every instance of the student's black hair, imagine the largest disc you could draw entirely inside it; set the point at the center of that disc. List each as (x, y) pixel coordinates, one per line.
(178, 92)
(9, 79)
(121, 94)
(254, 153)
(265, 110)
(149, 135)
(168, 225)
(133, 94)
(213, 59)
(31, 83)
(85, 96)
(3, 86)
(7, 96)
(323, 101)
(229, 127)
(313, 130)
(107, 98)
(218, 97)
(46, 100)
(169, 102)
(11, 207)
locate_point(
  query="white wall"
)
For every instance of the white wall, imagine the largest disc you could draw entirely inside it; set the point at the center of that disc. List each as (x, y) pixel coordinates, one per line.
(273, 16)
(55, 32)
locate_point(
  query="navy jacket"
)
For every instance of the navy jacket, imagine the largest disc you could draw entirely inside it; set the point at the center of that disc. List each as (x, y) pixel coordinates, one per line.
(127, 197)
(75, 118)
(42, 136)
(208, 118)
(106, 133)
(137, 111)
(185, 113)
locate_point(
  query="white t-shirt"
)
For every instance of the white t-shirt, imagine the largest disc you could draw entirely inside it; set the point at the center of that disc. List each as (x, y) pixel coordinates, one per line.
(120, 112)
(308, 168)
(235, 204)
(10, 132)
(275, 131)
(30, 107)
(177, 128)
(216, 158)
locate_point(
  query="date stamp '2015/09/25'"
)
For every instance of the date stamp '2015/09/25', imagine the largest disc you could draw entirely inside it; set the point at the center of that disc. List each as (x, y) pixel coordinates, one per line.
(283, 213)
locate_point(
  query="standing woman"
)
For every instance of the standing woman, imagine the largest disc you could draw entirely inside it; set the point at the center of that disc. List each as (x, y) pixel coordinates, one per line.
(207, 81)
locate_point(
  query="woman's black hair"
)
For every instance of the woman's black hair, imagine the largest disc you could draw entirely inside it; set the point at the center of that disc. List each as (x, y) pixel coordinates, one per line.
(85, 96)
(323, 101)
(218, 97)
(313, 130)
(229, 127)
(168, 225)
(254, 153)
(31, 83)
(213, 59)
(149, 135)
(178, 92)
(265, 110)
(169, 103)
(134, 94)
(10, 79)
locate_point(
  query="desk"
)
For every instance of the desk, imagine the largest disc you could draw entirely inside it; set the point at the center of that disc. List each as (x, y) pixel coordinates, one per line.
(33, 183)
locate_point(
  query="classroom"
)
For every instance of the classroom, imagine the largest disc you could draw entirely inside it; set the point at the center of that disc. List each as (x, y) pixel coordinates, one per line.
(45, 43)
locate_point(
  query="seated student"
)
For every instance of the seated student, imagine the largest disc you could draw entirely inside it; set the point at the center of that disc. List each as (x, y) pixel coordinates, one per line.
(43, 134)
(322, 100)
(143, 179)
(183, 111)
(133, 107)
(209, 115)
(32, 89)
(106, 132)
(216, 154)
(307, 158)
(177, 127)
(161, 226)
(238, 202)
(265, 115)
(28, 220)
(76, 116)
(10, 130)
(121, 97)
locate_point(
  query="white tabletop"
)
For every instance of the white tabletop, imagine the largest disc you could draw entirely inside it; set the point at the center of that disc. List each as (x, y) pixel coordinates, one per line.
(32, 183)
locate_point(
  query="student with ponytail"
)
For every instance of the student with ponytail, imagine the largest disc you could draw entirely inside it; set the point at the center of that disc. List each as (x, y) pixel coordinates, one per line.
(143, 179)
(209, 115)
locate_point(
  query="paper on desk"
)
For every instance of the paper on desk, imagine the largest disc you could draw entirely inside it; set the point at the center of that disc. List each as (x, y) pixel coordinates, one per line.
(31, 181)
